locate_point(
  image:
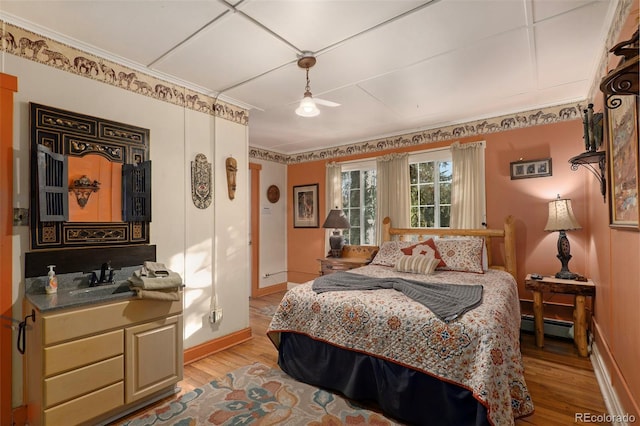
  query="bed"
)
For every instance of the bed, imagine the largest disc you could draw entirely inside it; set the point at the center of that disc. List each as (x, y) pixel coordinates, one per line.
(387, 348)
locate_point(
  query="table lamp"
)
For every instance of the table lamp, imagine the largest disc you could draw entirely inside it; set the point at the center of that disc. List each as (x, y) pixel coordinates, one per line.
(336, 220)
(561, 219)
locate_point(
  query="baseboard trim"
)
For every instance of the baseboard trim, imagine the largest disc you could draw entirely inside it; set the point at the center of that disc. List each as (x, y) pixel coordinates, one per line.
(216, 345)
(611, 400)
(276, 288)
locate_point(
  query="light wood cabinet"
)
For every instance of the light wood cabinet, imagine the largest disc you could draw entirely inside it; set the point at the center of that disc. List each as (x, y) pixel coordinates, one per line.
(154, 357)
(89, 364)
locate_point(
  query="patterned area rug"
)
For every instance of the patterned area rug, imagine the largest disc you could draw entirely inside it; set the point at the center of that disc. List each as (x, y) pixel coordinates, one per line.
(259, 395)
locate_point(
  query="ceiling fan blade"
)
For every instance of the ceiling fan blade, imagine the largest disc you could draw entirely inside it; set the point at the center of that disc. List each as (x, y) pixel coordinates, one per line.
(326, 103)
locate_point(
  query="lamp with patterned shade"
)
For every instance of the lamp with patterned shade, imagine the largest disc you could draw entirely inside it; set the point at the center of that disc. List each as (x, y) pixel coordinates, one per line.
(561, 219)
(337, 220)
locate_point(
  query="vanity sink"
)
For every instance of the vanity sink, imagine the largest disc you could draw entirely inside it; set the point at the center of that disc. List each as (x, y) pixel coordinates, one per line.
(102, 290)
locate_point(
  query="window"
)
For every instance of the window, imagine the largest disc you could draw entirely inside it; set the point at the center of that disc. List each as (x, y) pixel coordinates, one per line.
(430, 176)
(359, 202)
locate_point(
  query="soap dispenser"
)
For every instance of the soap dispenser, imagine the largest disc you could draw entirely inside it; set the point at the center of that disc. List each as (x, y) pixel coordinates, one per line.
(52, 281)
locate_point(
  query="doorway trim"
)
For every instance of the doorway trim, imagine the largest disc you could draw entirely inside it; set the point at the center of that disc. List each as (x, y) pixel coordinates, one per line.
(255, 228)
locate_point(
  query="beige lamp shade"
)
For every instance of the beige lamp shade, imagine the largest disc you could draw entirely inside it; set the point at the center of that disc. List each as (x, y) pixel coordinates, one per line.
(561, 216)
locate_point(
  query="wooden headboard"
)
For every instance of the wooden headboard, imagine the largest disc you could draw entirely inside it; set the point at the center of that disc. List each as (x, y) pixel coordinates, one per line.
(507, 234)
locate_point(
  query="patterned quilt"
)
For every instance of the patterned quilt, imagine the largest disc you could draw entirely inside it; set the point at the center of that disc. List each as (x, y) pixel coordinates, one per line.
(480, 351)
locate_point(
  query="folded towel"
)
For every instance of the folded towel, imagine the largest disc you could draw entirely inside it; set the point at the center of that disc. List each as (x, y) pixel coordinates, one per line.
(155, 269)
(173, 280)
(157, 294)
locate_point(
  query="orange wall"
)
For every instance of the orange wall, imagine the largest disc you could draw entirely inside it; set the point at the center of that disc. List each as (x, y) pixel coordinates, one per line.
(614, 264)
(105, 205)
(525, 199)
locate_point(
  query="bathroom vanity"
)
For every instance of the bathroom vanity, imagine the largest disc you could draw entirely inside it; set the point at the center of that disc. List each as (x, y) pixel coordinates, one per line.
(101, 358)
(92, 354)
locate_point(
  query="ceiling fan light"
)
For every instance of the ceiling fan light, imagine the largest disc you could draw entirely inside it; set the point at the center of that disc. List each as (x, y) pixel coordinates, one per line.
(307, 108)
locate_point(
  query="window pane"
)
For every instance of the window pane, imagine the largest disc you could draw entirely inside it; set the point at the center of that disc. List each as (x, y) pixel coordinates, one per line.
(415, 217)
(413, 173)
(429, 214)
(354, 218)
(355, 179)
(414, 195)
(445, 216)
(446, 171)
(355, 198)
(445, 193)
(354, 236)
(426, 172)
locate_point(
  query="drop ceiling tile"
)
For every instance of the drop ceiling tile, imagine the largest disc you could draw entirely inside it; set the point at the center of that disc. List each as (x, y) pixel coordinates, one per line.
(313, 25)
(565, 45)
(479, 69)
(544, 9)
(225, 53)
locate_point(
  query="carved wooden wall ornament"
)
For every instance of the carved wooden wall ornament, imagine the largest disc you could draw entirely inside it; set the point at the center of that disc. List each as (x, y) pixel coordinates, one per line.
(232, 169)
(201, 192)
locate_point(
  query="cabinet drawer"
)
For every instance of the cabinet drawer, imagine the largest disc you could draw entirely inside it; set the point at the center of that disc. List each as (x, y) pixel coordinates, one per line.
(335, 267)
(71, 355)
(86, 407)
(72, 384)
(74, 323)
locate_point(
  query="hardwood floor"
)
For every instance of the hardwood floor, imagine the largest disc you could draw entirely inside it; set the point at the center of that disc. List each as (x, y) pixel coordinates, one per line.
(561, 382)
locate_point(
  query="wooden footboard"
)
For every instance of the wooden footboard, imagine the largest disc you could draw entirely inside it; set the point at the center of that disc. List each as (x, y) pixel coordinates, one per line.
(491, 237)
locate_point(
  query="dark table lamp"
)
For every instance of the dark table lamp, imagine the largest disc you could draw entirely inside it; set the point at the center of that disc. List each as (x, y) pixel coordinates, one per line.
(336, 220)
(561, 219)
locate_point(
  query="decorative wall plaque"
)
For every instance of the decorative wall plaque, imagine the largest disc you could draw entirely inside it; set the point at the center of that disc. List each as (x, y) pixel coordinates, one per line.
(201, 182)
(273, 194)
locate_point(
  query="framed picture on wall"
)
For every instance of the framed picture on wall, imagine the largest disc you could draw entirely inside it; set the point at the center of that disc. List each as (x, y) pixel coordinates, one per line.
(530, 168)
(622, 135)
(305, 206)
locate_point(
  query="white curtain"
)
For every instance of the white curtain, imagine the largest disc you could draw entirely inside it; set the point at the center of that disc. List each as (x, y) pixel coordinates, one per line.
(393, 197)
(468, 205)
(333, 195)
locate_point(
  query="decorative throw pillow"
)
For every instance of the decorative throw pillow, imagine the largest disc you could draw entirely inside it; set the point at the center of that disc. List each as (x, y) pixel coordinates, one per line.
(427, 247)
(389, 253)
(463, 255)
(417, 264)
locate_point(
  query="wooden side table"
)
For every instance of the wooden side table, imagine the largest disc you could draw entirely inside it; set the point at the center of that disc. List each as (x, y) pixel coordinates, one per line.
(352, 257)
(550, 284)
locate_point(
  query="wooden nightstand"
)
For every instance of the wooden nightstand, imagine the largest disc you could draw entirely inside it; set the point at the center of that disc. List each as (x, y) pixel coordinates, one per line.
(581, 289)
(352, 257)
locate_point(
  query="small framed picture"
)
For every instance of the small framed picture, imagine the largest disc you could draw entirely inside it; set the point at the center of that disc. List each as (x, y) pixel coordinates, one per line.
(305, 206)
(531, 168)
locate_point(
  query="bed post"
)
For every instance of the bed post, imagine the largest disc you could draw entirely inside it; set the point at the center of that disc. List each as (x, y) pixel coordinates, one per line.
(510, 246)
(386, 226)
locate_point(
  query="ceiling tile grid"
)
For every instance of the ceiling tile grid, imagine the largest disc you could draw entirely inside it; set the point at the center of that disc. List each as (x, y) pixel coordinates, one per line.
(392, 65)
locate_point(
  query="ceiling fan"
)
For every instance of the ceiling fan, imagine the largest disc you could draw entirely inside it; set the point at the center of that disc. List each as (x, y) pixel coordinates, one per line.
(308, 107)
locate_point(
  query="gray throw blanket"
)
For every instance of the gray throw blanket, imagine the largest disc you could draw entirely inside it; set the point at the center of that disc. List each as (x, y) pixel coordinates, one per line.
(446, 301)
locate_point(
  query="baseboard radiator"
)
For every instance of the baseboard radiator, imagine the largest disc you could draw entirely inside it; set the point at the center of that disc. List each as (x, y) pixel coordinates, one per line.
(552, 327)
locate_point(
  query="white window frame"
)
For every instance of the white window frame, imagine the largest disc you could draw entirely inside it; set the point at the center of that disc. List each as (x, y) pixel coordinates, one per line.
(361, 165)
(438, 154)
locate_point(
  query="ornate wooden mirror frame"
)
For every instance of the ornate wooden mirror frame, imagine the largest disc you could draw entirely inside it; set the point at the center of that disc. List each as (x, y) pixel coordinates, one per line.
(69, 134)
